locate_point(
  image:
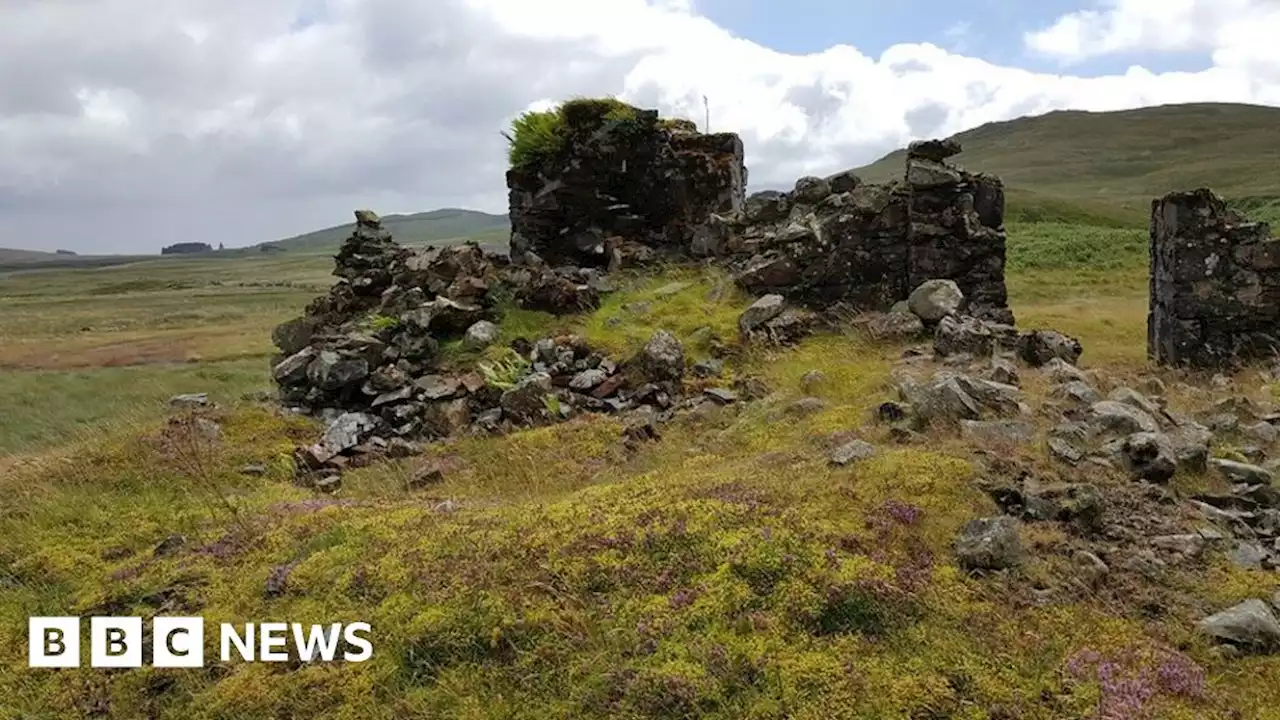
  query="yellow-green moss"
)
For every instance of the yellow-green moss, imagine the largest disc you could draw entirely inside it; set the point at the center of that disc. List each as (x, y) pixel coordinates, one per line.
(696, 307)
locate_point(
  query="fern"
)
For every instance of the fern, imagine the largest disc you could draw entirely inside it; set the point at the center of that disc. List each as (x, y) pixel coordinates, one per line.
(505, 372)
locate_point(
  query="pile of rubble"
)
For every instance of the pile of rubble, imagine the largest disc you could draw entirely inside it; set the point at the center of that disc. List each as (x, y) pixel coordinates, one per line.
(367, 356)
(1143, 527)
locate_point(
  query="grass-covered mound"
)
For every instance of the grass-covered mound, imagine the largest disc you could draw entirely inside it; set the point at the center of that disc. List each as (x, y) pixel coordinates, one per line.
(725, 570)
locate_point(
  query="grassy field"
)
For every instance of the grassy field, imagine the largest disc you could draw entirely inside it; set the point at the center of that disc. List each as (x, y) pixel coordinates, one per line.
(720, 572)
(80, 349)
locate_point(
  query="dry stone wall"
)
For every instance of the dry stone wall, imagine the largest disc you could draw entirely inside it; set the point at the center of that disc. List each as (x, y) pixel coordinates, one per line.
(1214, 285)
(838, 239)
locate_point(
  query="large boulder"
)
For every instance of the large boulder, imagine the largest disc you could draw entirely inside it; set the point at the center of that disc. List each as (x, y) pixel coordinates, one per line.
(935, 299)
(810, 190)
(760, 312)
(347, 431)
(526, 403)
(293, 369)
(293, 335)
(894, 326)
(481, 334)
(942, 400)
(1111, 416)
(330, 371)
(1081, 503)
(1150, 456)
(766, 206)
(972, 336)
(936, 150)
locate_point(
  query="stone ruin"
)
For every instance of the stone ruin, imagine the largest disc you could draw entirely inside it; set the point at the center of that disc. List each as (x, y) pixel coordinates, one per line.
(1215, 284)
(614, 199)
(374, 356)
(369, 357)
(841, 240)
(621, 192)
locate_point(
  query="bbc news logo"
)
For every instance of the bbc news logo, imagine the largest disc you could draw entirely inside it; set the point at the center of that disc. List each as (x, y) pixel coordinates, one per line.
(178, 642)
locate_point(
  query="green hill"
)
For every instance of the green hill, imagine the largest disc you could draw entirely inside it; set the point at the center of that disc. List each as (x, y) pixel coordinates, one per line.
(1105, 167)
(10, 255)
(444, 226)
(435, 226)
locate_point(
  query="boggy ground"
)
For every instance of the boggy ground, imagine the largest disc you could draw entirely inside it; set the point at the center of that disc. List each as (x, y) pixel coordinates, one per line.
(724, 570)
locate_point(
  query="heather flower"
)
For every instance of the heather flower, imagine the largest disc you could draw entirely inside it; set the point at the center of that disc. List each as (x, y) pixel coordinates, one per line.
(902, 513)
(1178, 674)
(1126, 685)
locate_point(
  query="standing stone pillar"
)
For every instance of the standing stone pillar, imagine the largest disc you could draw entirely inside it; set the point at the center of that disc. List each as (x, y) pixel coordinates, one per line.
(956, 228)
(1214, 285)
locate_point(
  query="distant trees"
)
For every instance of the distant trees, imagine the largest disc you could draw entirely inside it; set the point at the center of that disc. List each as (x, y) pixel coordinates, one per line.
(187, 247)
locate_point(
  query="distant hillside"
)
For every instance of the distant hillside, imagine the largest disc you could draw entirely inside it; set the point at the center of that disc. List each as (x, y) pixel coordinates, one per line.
(9, 256)
(435, 226)
(1107, 166)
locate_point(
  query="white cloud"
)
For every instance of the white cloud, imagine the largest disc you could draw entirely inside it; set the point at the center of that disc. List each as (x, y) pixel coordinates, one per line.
(1239, 34)
(134, 124)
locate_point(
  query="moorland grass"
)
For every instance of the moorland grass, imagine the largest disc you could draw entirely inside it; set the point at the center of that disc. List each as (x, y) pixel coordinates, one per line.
(47, 408)
(726, 570)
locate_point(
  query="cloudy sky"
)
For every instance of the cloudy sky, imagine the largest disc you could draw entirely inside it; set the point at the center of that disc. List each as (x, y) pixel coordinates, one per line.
(129, 124)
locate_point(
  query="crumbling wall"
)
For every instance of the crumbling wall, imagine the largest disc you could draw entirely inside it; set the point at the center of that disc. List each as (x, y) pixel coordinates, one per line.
(956, 228)
(369, 357)
(621, 190)
(1214, 284)
(838, 239)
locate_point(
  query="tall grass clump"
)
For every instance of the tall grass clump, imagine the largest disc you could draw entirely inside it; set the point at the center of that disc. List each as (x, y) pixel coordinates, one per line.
(535, 135)
(539, 134)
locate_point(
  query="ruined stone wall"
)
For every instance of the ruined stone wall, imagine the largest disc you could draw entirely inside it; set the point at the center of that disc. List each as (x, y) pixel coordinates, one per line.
(1214, 285)
(956, 228)
(635, 187)
(837, 239)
